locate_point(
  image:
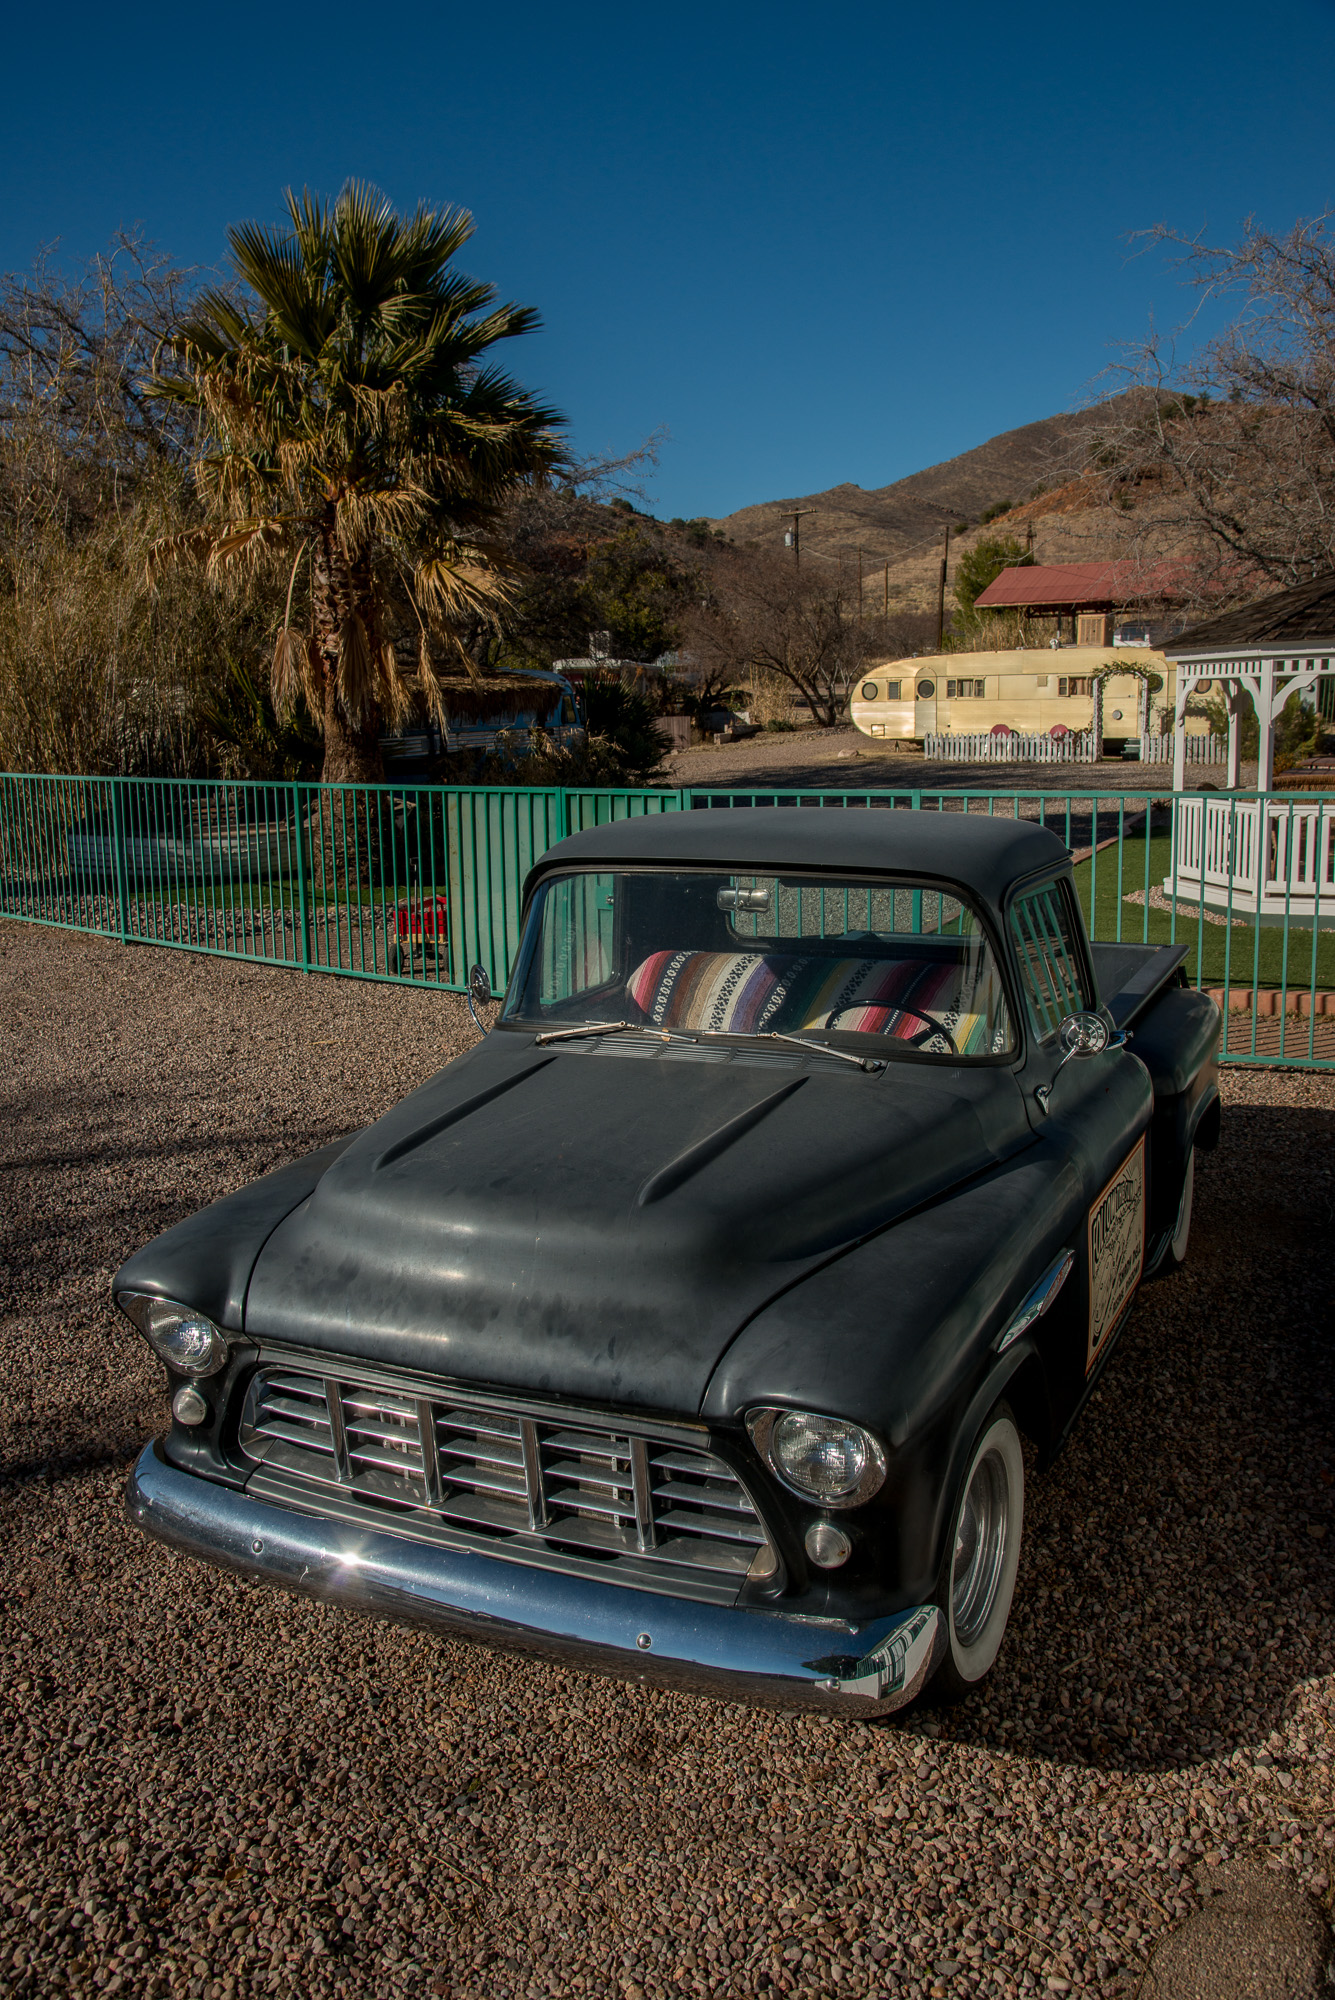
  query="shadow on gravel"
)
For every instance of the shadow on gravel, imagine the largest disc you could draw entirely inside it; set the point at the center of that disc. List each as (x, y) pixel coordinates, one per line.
(80, 1388)
(1176, 1585)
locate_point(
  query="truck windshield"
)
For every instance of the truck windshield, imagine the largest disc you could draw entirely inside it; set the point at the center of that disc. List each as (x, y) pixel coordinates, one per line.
(899, 965)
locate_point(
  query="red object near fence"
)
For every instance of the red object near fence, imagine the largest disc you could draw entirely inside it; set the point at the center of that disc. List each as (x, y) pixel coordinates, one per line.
(426, 919)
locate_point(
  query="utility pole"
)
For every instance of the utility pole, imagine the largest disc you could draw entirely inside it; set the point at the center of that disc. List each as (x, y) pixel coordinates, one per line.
(859, 583)
(941, 593)
(887, 590)
(793, 538)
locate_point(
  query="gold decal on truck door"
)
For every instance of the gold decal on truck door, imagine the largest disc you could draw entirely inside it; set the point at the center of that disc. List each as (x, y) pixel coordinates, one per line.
(1116, 1249)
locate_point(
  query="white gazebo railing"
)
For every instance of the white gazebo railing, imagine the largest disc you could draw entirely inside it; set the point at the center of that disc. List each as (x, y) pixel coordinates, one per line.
(1264, 680)
(1260, 857)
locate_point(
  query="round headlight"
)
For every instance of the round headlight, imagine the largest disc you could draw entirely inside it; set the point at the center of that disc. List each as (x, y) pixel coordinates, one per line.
(822, 1458)
(186, 1340)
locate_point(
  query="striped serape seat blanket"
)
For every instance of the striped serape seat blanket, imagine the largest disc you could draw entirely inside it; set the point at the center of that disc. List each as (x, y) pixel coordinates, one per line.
(748, 993)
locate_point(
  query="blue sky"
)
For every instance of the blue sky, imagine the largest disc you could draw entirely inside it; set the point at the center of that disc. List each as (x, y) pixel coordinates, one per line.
(812, 245)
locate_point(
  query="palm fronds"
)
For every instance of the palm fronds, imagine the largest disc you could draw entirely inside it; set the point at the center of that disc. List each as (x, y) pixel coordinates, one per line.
(351, 407)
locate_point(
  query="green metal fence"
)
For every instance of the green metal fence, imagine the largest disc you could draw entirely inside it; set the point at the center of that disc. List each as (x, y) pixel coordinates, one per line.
(416, 883)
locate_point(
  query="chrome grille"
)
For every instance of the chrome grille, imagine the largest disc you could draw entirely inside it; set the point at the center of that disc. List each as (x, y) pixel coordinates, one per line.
(535, 1484)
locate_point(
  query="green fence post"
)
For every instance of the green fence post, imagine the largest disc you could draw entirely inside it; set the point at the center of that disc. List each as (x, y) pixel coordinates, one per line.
(300, 843)
(118, 847)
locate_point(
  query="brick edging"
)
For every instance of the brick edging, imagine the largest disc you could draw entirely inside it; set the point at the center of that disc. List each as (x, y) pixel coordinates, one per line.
(1269, 1000)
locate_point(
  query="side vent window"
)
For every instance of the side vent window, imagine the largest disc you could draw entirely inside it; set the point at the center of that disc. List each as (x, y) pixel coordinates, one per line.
(1048, 949)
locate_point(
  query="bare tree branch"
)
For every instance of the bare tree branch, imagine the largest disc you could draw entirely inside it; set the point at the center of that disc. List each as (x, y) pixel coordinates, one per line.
(766, 617)
(1230, 456)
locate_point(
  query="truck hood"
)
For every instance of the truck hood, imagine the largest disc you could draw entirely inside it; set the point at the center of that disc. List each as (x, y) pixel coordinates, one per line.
(599, 1223)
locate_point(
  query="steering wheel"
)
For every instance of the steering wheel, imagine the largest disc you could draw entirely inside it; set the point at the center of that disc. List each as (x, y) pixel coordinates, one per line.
(925, 1033)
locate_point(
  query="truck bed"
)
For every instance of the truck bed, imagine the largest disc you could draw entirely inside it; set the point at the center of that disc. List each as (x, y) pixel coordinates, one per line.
(1132, 976)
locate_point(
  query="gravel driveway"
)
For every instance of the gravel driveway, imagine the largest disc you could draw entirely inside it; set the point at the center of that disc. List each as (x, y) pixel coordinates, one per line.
(816, 760)
(209, 1789)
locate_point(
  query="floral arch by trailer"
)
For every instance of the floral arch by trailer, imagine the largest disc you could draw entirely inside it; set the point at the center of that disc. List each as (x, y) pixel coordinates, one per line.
(1150, 683)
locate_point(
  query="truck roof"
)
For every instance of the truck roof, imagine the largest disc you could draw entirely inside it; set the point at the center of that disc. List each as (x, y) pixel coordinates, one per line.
(980, 853)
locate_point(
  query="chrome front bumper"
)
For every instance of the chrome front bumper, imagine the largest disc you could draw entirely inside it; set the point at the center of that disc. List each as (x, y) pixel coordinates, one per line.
(739, 1654)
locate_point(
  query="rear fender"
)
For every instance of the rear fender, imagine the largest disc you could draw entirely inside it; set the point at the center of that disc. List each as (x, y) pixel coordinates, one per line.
(1178, 1043)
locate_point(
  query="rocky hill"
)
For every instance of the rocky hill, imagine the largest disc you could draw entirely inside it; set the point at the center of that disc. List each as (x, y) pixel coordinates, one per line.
(899, 527)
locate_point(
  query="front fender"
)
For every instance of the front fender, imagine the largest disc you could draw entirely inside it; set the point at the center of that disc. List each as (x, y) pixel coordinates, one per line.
(898, 1335)
(886, 1333)
(206, 1261)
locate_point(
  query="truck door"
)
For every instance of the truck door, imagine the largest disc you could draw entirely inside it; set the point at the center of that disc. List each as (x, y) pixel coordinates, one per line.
(1096, 1111)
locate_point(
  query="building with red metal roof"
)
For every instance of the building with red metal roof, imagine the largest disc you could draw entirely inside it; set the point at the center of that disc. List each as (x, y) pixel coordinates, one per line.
(1088, 593)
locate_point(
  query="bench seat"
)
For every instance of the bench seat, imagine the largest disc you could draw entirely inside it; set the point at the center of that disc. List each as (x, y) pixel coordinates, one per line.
(748, 993)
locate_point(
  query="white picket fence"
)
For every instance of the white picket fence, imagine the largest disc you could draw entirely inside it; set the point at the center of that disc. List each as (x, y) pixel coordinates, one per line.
(1013, 749)
(1200, 749)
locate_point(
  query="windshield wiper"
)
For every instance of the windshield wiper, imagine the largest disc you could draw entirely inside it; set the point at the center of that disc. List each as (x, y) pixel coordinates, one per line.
(867, 1063)
(609, 1028)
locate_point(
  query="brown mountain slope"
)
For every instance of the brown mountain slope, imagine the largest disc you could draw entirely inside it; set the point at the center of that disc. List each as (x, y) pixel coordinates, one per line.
(890, 520)
(899, 527)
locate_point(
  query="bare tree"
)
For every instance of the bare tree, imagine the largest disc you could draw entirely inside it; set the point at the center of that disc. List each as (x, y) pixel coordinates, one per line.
(765, 616)
(78, 432)
(1229, 458)
(100, 669)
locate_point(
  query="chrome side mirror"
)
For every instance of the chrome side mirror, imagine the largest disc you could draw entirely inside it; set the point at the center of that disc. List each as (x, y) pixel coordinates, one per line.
(479, 994)
(1081, 1036)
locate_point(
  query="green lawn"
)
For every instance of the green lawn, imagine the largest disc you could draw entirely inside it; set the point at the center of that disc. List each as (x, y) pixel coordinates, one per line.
(1239, 952)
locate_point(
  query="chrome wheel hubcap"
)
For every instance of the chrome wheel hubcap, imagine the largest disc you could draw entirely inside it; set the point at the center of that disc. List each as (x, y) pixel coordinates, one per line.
(980, 1547)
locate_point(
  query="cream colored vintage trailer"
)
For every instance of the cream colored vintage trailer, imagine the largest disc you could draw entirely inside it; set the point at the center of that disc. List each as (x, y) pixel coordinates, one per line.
(1030, 691)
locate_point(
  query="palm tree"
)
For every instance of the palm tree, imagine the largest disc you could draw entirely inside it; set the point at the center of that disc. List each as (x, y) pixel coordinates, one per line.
(349, 417)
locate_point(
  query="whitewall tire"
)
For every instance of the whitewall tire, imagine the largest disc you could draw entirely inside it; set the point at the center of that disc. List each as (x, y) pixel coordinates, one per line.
(983, 1556)
(1177, 1248)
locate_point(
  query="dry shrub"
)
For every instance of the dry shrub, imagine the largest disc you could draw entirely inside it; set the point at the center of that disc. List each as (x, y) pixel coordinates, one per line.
(769, 697)
(1000, 632)
(104, 666)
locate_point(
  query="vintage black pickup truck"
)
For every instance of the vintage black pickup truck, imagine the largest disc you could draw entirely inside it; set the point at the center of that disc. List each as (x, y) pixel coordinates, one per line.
(690, 1324)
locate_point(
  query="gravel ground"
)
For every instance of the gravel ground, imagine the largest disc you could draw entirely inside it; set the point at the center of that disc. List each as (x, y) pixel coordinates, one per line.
(209, 1789)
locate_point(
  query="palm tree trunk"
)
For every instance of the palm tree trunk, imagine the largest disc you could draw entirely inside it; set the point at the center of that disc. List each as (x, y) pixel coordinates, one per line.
(344, 826)
(351, 750)
(351, 756)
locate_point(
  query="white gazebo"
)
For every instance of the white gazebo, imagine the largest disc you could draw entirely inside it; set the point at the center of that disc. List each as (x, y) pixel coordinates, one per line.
(1265, 856)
